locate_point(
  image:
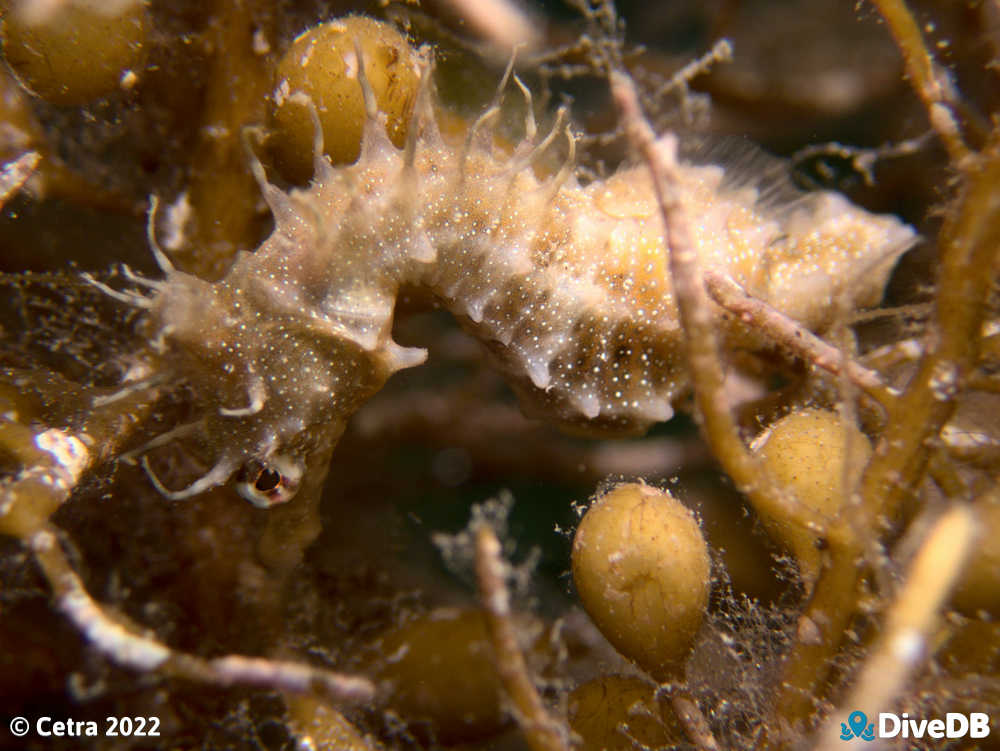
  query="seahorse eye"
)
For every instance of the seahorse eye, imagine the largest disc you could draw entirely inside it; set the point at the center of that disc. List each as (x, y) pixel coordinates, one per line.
(268, 483)
(267, 480)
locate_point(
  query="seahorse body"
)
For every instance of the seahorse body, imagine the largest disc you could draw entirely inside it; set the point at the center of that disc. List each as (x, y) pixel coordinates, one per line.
(566, 285)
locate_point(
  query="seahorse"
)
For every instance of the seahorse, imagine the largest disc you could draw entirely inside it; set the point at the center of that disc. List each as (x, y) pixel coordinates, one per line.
(566, 285)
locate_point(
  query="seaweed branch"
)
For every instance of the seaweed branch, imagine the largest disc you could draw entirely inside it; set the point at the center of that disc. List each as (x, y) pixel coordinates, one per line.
(794, 336)
(540, 729)
(910, 620)
(131, 650)
(696, 317)
(929, 81)
(969, 240)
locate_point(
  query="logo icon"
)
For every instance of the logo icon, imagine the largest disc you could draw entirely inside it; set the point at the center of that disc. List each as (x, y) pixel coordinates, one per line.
(857, 727)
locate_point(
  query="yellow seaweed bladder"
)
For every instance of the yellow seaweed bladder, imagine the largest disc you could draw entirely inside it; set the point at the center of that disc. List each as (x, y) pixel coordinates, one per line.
(322, 66)
(77, 51)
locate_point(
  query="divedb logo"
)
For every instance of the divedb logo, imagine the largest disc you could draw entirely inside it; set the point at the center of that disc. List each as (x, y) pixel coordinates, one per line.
(889, 725)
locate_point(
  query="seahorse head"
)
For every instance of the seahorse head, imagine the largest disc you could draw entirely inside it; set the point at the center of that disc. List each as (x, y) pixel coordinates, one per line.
(273, 377)
(267, 388)
(251, 416)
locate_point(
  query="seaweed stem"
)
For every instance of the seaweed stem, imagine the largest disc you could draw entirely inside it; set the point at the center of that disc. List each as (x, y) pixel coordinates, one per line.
(969, 241)
(910, 621)
(222, 191)
(929, 82)
(794, 336)
(123, 646)
(696, 314)
(542, 731)
(836, 586)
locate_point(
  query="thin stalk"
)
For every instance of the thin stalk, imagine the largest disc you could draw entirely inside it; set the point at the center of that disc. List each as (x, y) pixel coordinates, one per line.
(930, 83)
(542, 731)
